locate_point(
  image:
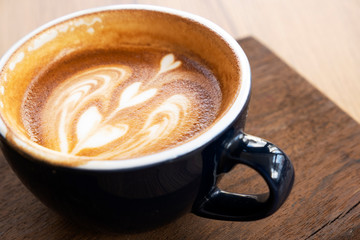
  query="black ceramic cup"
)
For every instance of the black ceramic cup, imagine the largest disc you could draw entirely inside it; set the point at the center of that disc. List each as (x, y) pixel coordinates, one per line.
(148, 191)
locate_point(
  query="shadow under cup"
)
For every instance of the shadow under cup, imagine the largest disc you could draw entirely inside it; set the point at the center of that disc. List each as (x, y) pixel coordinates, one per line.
(152, 190)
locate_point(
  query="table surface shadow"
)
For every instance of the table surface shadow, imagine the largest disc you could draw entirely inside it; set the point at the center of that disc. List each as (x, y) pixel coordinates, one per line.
(321, 140)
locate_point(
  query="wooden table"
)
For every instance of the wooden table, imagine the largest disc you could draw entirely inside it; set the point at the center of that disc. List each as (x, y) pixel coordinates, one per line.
(321, 139)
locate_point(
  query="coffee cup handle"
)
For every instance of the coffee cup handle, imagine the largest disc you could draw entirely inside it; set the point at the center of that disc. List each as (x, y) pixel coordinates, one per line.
(270, 162)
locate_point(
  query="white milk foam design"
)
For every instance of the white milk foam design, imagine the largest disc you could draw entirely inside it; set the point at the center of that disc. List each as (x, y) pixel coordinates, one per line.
(95, 128)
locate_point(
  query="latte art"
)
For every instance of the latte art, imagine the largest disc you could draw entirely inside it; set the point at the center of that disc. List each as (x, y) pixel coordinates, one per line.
(116, 110)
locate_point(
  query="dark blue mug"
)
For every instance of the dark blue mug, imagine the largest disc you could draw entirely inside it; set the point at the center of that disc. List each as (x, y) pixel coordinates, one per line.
(149, 191)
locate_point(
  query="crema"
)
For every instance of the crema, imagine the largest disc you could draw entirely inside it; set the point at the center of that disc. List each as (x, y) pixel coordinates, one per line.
(120, 103)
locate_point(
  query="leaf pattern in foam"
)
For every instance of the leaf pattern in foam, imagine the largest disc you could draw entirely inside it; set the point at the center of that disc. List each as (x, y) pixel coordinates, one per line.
(94, 129)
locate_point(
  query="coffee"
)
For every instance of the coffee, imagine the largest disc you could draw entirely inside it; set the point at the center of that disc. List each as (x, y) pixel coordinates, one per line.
(116, 85)
(120, 103)
(123, 82)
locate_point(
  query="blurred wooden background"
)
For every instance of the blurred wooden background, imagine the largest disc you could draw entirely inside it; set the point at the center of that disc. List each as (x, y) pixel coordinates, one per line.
(320, 39)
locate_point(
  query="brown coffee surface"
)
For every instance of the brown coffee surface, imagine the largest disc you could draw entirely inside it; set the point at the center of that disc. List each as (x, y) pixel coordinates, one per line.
(120, 103)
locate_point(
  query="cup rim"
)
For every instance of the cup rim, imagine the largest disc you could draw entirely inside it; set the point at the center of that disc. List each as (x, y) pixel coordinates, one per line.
(166, 155)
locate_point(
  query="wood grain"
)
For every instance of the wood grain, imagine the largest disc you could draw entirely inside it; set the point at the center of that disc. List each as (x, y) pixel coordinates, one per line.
(321, 140)
(319, 39)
